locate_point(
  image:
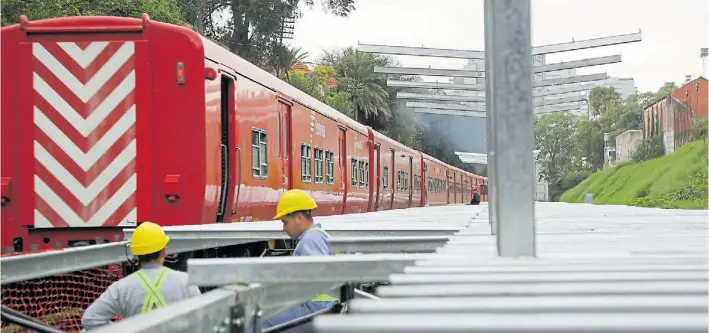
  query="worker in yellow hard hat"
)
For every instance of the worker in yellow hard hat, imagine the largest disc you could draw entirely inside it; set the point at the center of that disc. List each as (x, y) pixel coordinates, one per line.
(295, 210)
(153, 286)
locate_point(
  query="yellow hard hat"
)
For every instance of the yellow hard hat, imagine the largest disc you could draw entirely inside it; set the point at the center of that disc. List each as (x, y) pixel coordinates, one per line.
(148, 238)
(293, 201)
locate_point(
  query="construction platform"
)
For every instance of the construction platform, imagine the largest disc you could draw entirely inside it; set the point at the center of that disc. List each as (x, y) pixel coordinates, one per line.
(596, 268)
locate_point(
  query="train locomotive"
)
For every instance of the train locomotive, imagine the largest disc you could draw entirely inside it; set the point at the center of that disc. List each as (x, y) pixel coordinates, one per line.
(110, 121)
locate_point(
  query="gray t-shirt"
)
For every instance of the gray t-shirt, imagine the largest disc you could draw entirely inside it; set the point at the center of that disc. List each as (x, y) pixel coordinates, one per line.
(125, 297)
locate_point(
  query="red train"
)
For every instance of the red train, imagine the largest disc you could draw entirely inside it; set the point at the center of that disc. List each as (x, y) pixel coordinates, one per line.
(107, 121)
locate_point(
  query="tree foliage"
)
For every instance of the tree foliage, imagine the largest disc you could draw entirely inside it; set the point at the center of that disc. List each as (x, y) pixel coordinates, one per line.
(552, 133)
(160, 10)
(572, 146)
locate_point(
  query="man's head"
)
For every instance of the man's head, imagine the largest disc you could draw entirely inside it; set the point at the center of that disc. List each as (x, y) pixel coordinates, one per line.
(295, 211)
(296, 223)
(148, 244)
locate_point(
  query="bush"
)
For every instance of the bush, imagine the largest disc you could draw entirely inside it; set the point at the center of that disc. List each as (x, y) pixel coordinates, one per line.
(648, 148)
(699, 129)
(573, 178)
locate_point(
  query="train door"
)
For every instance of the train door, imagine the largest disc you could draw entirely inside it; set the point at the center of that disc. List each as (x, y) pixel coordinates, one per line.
(284, 145)
(378, 175)
(342, 146)
(227, 165)
(449, 187)
(411, 179)
(424, 185)
(393, 179)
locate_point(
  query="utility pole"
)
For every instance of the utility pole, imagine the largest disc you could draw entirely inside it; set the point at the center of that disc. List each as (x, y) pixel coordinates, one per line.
(703, 52)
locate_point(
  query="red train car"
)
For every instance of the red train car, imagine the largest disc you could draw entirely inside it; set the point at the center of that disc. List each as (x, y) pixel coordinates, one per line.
(109, 121)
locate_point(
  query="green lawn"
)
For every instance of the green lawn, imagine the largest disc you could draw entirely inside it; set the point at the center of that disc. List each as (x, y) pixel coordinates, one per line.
(678, 180)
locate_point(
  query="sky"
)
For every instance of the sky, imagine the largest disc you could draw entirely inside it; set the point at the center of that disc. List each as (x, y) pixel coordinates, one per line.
(673, 31)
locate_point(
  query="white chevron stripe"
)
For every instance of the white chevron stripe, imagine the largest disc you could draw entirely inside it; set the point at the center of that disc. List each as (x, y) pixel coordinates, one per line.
(68, 214)
(84, 92)
(83, 57)
(130, 219)
(85, 194)
(84, 160)
(88, 125)
(40, 221)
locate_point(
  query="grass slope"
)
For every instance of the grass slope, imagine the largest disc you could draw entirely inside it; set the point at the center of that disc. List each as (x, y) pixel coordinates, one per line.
(678, 180)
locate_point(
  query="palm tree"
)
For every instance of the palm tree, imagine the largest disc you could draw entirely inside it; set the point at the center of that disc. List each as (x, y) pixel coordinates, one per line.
(356, 76)
(289, 57)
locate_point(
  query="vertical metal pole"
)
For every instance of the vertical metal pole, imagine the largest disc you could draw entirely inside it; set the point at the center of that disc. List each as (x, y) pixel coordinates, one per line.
(492, 185)
(512, 122)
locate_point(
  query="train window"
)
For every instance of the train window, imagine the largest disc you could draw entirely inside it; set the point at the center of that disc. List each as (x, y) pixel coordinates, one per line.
(398, 180)
(278, 152)
(417, 183)
(361, 173)
(305, 168)
(286, 147)
(259, 153)
(318, 161)
(329, 167)
(386, 178)
(366, 175)
(354, 172)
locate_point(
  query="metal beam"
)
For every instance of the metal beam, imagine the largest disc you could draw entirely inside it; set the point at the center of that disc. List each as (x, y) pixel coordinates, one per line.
(472, 111)
(473, 99)
(513, 323)
(429, 71)
(430, 97)
(531, 304)
(441, 106)
(471, 54)
(481, 87)
(300, 269)
(421, 244)
(451, 112)
(480, 74)
(511, 113)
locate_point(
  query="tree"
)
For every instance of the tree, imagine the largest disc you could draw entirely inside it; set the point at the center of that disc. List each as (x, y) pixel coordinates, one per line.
(588, 140)
(289, 57)
(355, 73)
(253, 29)
(160, 10)
(604, 101)
(553, 134)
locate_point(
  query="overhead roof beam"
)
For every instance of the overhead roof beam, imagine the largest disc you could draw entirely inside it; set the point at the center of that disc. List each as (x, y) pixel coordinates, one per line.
(481, 87)
(480, 74)
(481, 99)
(472, 54)
(460, 110)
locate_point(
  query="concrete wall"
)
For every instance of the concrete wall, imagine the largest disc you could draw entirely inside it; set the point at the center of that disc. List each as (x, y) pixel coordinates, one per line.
(625, 144)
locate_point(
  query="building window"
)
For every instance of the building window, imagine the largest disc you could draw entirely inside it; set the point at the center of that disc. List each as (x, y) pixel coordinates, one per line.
(259, 153)
(318, 160)
(305, 168)
(330, 167)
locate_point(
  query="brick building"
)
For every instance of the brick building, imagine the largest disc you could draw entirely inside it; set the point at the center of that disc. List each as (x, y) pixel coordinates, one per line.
(671, 119)
(694, 95)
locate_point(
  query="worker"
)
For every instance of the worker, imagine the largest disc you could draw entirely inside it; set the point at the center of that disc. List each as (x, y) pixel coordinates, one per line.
(295, 210)
(153, 286)
(476, 196)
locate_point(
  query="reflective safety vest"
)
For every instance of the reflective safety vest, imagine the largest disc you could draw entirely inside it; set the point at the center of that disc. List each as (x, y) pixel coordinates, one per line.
(322, 297)
(153, 296)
